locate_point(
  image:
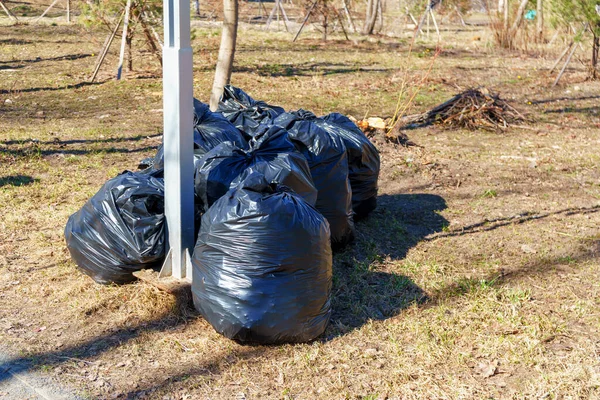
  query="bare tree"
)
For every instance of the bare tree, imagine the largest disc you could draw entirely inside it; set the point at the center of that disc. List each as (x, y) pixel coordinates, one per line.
(226, 51)
(540, 21)
(373, 7)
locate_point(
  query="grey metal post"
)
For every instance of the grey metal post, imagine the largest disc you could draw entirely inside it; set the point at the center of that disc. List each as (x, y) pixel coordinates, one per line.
(178, 139)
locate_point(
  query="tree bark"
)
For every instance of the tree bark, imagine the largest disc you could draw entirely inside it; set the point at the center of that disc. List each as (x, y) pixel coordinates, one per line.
(518, 18)
(371, 18)
(226, 51)
(540, 21)
(595, 49)
(505, 18)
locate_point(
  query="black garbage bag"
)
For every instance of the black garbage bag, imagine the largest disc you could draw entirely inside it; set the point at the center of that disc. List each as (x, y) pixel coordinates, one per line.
(120, 229)
(244, 112)
(363, 161)
(262, 265)
(328, 162)
(210, 130)
(281, 163)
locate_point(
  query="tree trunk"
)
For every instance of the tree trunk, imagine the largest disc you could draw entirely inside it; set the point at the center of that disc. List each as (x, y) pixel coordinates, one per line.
(505, 18)
(226, 51)
(371, 18)
(380, 15)
(540, 21)
(129, 40)
(595, 49)
(518, 18)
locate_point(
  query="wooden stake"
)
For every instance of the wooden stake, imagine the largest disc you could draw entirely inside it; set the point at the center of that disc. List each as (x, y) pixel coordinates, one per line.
(47, 9)
(151, 41)
(562, 55)
(428, 14)
(124, 40)
(7, 11)
(264, 9)
(104, 51)
(271, 15)
(380, 15)
(305, 20)
(285, 18)
(568, 47)
(342, 24)
(462, 20)
(562, 71)
(435, 24)
(144, 21)
(412, 17)
(350, 21)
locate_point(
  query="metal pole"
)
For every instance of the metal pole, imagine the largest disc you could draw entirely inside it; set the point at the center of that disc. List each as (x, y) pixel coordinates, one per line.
(178, 139)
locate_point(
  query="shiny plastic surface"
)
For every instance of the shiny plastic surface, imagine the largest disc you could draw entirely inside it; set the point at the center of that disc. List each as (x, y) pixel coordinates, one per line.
(363, 161)
(210, 130)
(120, 229)
(245, 112)
(328, 162)
(262, 266)
(279, 159)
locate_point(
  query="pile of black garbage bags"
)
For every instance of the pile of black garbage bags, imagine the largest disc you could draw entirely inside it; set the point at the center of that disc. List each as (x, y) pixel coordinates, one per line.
(275, 192)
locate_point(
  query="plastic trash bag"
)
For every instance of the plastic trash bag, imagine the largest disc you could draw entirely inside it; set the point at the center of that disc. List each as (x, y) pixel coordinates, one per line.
(262, 266)
(120, 229)
(210, 130)
(363, 161)
(244, 112)
(279, 159)
(328, 162)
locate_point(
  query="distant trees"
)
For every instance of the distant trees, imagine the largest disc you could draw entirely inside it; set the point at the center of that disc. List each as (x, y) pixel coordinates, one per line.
(582, 12)
(374, 10)
(142, 16)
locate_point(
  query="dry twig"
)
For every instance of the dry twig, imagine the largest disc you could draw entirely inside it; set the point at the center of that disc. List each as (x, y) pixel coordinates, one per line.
(476, 108)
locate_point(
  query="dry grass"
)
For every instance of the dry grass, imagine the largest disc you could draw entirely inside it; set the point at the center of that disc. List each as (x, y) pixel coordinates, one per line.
(477, 277)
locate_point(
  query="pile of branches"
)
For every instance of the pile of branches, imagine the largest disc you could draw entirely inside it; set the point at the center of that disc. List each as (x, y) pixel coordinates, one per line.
(475, 108)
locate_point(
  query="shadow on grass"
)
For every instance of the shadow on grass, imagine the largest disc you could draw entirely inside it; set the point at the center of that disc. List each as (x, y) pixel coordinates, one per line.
(68, 57)
(491, 224)
(583, 110)
(36, 148)
(308, 69)
(50, 89)
(557, 99)
(58, 142)
(362, 292)
(16, 180)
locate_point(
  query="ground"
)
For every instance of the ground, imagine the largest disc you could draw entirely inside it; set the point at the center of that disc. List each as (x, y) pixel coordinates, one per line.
(476, 277)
